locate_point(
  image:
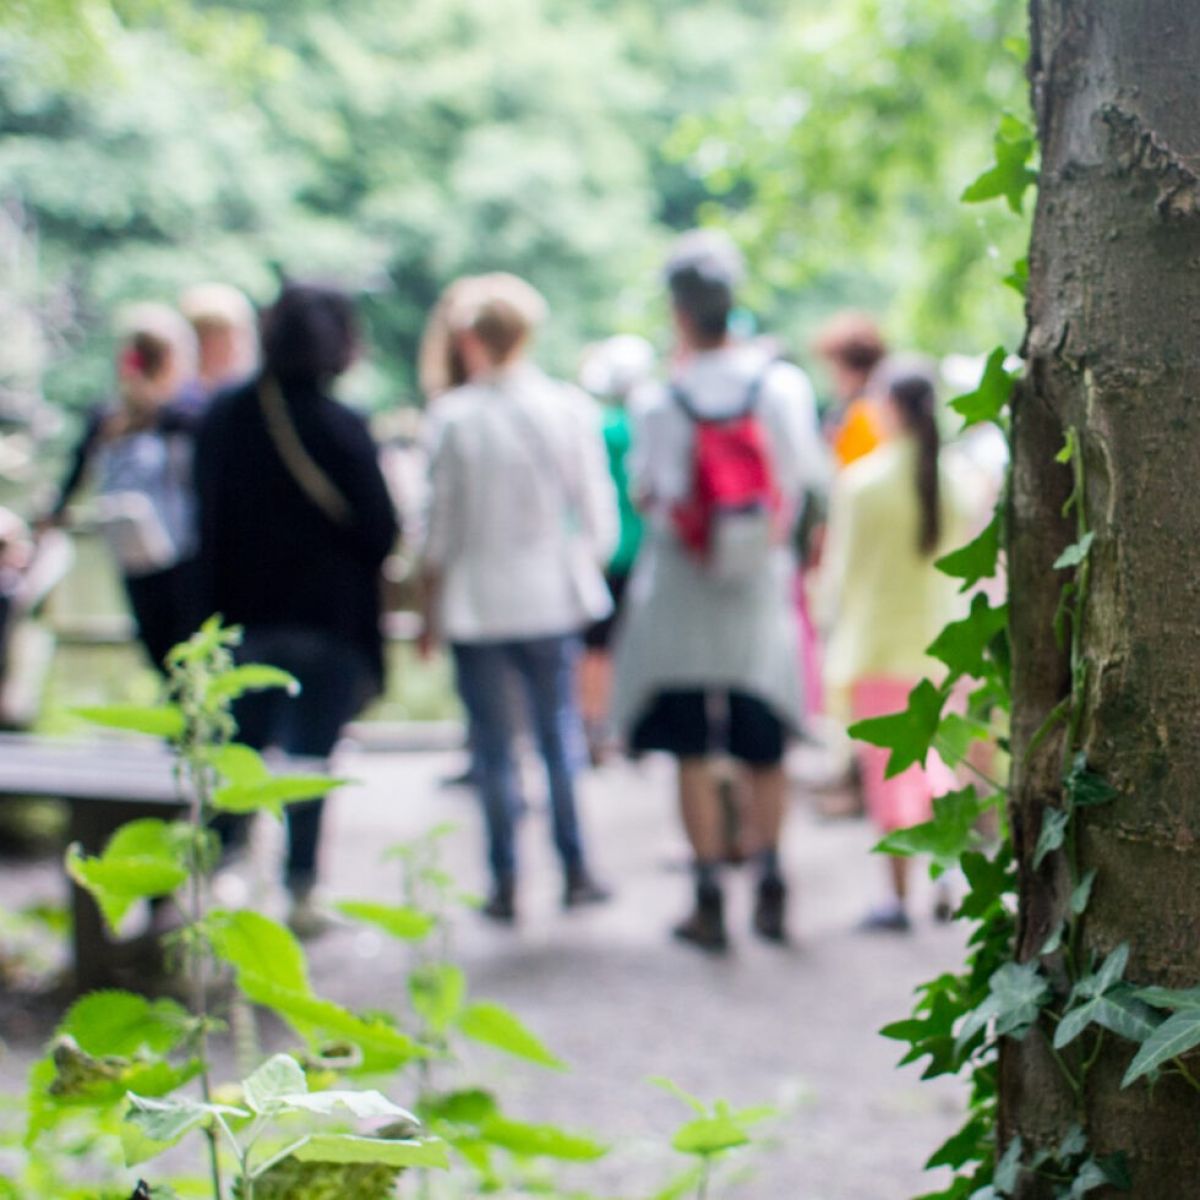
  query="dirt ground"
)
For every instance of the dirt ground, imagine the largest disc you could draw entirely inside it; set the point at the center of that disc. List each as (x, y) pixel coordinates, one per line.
(610, 993)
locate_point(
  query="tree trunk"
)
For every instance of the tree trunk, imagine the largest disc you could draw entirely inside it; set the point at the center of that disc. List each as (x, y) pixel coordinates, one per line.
(1113, 350)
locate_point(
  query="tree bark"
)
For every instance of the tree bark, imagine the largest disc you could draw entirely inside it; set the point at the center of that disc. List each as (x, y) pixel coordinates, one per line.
(1113, 350)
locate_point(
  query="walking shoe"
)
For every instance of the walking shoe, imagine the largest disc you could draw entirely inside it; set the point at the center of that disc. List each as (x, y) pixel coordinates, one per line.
(581, 889)
(705, 928)
(769, 909)
(888, 918)
(501, 905)
(307, 918)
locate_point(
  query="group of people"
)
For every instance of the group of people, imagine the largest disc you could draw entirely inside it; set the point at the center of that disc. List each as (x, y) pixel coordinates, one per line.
(664, 562)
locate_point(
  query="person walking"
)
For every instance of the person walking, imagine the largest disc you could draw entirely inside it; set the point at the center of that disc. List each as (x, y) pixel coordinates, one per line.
(138, 451)
(706, 662)
(611, 372)
(521, 515)
(296, 521)
(892, 513)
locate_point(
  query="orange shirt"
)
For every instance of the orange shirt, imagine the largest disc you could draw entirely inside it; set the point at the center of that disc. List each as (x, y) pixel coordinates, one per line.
(859, 432)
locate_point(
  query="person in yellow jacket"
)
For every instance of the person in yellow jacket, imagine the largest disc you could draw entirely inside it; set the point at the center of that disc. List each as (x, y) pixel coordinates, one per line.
(892, 513)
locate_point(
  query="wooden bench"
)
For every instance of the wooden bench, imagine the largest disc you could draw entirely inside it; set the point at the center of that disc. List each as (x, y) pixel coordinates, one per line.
(104, 783)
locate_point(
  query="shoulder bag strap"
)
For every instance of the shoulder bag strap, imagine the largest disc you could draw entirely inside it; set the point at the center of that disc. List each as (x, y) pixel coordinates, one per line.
(304, 470)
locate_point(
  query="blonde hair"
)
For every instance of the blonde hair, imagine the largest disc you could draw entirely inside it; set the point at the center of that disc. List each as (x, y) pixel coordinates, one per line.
(214, 308)
(502, 310)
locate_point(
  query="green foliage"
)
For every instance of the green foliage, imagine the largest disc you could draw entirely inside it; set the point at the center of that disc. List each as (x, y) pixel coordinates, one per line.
(493, 1025)
(907, 734)
(987, 402)
(1010, 176)
(975, 561)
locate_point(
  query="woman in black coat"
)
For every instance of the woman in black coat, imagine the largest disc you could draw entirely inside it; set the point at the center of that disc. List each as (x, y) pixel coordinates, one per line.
(295, 523)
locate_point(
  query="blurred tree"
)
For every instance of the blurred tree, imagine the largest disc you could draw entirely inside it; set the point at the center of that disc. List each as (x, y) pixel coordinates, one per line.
(842, 170)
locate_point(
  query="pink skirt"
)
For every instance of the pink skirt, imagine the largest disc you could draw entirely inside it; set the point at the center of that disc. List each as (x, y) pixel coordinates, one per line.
(905, 799)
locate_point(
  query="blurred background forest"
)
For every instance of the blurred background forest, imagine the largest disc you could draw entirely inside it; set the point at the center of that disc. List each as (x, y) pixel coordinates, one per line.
(149, 144)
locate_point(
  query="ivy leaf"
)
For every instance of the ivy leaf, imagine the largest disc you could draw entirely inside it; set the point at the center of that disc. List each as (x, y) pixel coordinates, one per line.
(1054, 832)
(969, 1144)
(1016, 993)
(1171, 998)
(160, 721)
(1054, 942)
(1116, 1171)
(1082, 894)
(1010, 175)
(142, 859)
(976, 560)
(1018, 277)
(1118, 1011)
(907, 734)
(962, 645)
(987, 401)
(945, 837)
(398, 921)
(493, 1025)
(1085, 788)
(540, 1141)
(1075, 554)
(990, 879)
(437, 992)
(349, 1148)
(1175, 1036)
(1008, 1169)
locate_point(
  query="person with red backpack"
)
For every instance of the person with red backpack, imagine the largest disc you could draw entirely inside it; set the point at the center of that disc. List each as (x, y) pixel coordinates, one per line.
(706, 658)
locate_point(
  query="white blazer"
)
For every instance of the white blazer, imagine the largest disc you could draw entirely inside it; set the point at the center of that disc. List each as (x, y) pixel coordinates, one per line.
(522, 509)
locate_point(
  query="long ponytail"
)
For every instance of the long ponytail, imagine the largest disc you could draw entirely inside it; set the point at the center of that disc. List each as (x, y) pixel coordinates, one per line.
(914, 397)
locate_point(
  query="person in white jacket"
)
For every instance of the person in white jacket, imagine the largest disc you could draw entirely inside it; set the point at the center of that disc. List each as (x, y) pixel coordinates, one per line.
(521, 516)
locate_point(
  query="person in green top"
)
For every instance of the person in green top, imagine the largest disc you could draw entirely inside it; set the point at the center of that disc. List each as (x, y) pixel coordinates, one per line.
(612, 371)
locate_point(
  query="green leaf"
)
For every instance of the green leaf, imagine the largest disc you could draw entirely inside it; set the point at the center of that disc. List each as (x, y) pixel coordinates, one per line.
(398, 921)
(1010, 175)
(956, 735)
(256, 946)
(1008, 1169)
(142, 859)
(1118, 1011)
(945, 837)
(494, 1025)
(1054, 942)
(367, 1105)
(540, 1141)
(162, 721)
(672, 1088)
(471, 1106)
(707, 1136)
(278, 1079)
(250, 677)
(907, 734)
(161, 1123)
(962, 645)
(1074, 555)
(437, 992)
(1082, 894)
(1085, 788)
(240, 764)
(684, 1184)
(122, 1023)
(273, 793)
(1171, 998)
(1175, 1036)
(1018, 277)
(1053, 834)
(1016, 993)
(987, 401)
(348, 1148)
(976, 560)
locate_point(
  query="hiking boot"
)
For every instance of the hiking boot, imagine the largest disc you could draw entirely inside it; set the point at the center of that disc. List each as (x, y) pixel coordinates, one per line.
(705, 928)
(501, 905)
(581, 890)
(769, 909)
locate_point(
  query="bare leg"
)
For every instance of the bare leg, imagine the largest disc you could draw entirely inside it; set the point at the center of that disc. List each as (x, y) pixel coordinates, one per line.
(898, 869)
(700, 809)
(768, 804)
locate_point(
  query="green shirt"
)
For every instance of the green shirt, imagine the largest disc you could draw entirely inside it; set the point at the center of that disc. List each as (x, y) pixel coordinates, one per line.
(618, 436)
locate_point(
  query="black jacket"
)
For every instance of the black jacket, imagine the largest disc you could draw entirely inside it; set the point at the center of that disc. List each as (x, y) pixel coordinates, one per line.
(269, 555)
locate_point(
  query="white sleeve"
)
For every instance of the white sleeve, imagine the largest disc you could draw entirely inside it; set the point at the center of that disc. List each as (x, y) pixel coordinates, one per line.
(802, 462)
(443, 495)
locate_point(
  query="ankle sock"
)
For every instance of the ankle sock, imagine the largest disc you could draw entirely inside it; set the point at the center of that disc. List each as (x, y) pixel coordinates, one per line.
(768, 863)
(708, 874)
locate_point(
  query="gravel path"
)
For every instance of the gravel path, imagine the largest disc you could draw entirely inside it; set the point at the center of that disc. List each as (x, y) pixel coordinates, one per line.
(613, 996)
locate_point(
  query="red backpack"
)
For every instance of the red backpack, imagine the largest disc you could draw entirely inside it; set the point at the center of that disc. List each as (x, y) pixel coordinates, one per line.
(729, 519)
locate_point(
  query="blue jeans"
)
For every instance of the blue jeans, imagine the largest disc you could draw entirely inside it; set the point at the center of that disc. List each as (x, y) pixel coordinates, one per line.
(546, 670)
(331, 676)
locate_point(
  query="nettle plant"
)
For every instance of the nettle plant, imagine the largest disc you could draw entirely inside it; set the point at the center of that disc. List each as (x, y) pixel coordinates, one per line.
(1075, 1002)
(128, 1071)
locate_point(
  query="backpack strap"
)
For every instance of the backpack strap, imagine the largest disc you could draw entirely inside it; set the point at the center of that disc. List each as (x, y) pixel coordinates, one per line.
(749, 402)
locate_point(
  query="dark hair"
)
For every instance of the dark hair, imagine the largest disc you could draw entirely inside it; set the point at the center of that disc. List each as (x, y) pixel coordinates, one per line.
(852, 339)
(914, 397)
(702, 271)
(310, 333)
